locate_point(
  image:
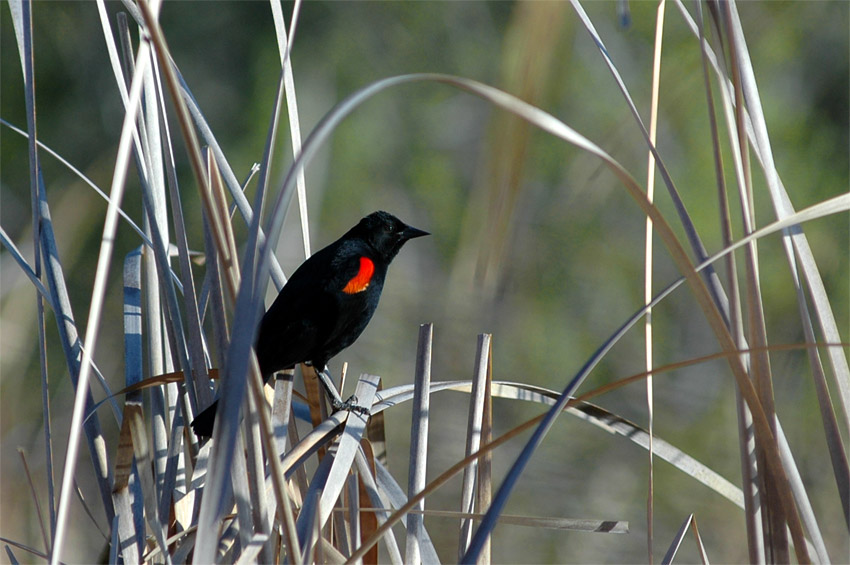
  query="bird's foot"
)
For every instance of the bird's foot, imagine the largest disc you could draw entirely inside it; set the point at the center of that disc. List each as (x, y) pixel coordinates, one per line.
(350, 405)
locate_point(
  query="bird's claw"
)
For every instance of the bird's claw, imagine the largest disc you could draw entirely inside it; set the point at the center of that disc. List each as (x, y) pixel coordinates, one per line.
(350, 405)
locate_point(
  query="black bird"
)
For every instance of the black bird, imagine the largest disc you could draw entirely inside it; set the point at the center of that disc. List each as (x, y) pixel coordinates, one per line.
(326, 303)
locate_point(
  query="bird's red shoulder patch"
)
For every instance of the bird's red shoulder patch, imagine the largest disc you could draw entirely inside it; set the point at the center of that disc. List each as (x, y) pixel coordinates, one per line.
(361, 280)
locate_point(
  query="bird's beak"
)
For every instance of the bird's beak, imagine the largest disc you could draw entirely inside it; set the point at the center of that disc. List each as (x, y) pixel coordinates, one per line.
(410, 232)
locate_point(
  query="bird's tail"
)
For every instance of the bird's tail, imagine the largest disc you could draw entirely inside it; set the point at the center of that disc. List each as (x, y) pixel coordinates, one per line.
(203, 423)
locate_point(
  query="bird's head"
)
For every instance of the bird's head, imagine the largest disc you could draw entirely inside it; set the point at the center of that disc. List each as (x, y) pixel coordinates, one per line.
(385, 233)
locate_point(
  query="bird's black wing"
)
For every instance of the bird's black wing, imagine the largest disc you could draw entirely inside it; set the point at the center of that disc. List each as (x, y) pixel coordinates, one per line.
(296, 326)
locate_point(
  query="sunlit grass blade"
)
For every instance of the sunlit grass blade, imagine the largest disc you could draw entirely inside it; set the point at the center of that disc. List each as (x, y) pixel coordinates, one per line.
(484, 492)
(284, 46)
(419, 439)
(648, 270)
(473, 436)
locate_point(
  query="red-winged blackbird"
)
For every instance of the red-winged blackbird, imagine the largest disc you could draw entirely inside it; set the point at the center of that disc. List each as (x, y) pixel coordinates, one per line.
(326, 303)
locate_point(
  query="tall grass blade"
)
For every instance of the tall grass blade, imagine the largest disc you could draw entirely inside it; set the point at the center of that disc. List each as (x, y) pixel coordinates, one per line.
(232, 389)
(419, 440)
(239, 354)
(23, 30)
(484, 494)
(214, 287)
(249, 281)
(473, 436)
(284, 46)
(147, 153)
(648, 269)
(837, 454)
(283, 414)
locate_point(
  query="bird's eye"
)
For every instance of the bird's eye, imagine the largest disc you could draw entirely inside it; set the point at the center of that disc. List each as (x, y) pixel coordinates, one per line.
(389, 228)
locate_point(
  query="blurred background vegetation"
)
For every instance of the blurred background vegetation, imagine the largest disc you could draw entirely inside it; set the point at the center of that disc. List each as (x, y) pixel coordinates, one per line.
(533, 241)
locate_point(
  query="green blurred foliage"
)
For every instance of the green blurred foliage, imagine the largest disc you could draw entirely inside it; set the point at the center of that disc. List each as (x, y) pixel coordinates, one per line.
(550, 262)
